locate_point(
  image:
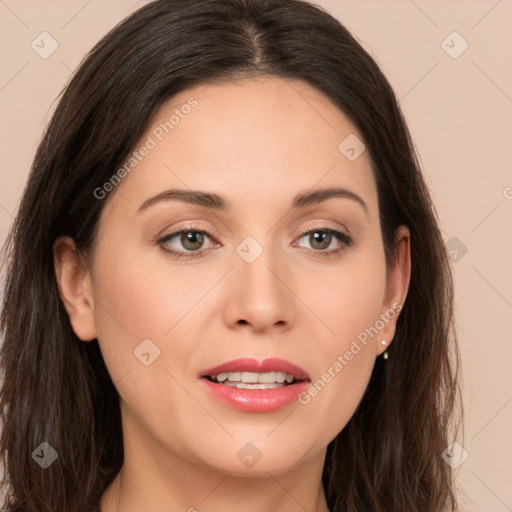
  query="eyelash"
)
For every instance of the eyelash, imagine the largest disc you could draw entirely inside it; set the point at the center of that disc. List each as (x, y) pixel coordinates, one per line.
(345, 240)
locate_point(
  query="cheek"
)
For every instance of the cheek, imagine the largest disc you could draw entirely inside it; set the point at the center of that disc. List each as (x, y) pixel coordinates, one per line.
(136, 300)
(349, 308)
(348, 297)
(145, 290)
(139, 296)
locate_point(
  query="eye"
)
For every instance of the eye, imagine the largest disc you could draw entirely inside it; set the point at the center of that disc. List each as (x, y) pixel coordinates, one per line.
(191, 240)
(322, 238)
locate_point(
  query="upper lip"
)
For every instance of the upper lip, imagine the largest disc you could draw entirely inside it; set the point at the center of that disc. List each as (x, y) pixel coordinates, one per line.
(246, 364)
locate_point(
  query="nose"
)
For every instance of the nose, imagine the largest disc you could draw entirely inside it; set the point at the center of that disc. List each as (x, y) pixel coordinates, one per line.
(260, 294)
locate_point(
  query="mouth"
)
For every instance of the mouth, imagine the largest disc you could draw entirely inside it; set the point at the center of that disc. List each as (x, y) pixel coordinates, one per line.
(255, 385)
(254, 380)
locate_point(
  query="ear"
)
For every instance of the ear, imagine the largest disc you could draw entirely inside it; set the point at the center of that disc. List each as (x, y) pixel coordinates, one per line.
(397, 285)
(75, 288)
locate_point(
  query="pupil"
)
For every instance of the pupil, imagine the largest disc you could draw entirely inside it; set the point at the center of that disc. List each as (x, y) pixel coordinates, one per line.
(320, 236)
(190, 237)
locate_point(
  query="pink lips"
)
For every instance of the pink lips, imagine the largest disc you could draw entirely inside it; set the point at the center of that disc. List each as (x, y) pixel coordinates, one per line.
(256, 400)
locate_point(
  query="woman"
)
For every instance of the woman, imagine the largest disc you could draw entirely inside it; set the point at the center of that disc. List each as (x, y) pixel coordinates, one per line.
(226, 283)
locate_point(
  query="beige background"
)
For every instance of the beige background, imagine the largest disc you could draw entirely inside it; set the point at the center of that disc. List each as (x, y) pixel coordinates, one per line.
(459, 112)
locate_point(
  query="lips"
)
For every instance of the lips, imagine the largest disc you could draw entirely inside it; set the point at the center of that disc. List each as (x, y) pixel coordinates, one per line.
(252, 385)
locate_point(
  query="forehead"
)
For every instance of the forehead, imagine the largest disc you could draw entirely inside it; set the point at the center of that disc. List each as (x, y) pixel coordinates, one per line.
(249, 140)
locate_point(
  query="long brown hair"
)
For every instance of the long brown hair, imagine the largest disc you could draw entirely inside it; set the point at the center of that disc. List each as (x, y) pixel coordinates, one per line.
(56, 389)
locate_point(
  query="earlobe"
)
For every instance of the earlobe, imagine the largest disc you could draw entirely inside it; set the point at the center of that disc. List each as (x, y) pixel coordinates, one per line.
(396, 288)
(75, 288)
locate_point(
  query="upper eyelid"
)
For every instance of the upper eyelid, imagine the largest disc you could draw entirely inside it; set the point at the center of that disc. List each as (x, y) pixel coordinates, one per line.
(302, 231)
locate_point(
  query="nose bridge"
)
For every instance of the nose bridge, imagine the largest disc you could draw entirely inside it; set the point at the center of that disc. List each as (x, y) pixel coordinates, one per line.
(257, 265)
(260, 296)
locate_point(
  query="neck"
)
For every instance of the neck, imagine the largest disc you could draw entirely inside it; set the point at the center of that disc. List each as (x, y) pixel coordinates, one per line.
(160, 481)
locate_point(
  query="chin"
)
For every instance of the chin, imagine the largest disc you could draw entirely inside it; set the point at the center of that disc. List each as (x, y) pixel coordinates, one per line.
(255, 458)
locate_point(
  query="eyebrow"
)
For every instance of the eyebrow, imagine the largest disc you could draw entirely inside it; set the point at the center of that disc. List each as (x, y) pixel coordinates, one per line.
(214, 201)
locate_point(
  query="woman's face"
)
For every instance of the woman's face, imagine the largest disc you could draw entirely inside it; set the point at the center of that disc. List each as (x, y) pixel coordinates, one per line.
(250, 283)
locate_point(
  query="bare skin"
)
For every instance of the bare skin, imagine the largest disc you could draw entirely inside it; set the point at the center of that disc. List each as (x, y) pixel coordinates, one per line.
(258, 143)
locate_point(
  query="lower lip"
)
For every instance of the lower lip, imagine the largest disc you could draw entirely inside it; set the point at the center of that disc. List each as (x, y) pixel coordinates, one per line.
(255, 400)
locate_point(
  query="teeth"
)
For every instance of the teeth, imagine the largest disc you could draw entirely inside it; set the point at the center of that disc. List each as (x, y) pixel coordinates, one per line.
(244, 385)
(269, 377)
(248, 377)
(253, 378)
